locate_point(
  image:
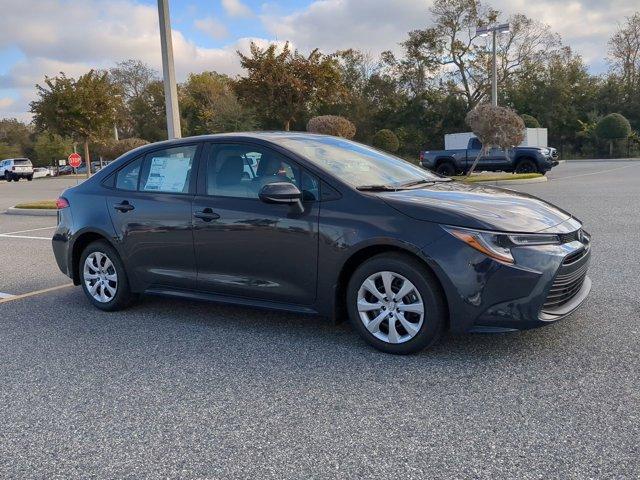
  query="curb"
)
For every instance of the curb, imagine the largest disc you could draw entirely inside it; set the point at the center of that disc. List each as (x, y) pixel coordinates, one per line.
(601, 160)
(32, 212)
(521, 181)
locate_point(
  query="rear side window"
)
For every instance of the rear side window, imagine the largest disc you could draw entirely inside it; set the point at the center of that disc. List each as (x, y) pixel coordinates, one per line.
(23, 162)
(169, 170)
(128, 176)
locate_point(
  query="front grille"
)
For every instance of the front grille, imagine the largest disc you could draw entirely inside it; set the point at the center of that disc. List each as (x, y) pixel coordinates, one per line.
(568, 281)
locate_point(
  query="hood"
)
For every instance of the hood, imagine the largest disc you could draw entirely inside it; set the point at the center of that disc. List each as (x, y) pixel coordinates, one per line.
(477, 206)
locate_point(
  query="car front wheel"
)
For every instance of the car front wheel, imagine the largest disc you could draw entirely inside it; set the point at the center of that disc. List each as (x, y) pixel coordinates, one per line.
(103, 277)
(526, 166)
(395, 304)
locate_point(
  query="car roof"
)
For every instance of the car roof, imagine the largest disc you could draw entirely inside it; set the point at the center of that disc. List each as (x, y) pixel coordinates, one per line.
(272, 136)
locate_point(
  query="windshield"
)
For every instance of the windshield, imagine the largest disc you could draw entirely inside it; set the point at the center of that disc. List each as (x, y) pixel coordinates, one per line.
(356, 164)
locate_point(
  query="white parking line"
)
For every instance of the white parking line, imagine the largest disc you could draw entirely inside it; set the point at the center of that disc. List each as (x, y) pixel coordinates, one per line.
(3, 235)
(12, 298)
(5, 295)
(27, 231)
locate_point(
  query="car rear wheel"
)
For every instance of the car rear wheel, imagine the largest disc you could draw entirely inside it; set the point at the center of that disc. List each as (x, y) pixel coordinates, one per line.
(7, 176)
(446, 169)
(395, 304)
(29, 178)
(526, 165)
(103, 277)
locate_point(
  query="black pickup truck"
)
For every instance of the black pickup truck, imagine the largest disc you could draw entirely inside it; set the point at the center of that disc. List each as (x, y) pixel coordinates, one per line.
(518, 159)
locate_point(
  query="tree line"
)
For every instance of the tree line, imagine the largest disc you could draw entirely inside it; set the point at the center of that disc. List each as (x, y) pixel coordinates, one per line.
(414, 97)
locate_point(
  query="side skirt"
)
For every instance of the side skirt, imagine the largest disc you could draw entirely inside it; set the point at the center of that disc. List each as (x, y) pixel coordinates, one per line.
(231, 300)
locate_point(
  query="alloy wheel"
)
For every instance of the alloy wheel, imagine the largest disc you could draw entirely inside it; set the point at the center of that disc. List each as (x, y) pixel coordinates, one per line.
(390, 307)
(100, 277)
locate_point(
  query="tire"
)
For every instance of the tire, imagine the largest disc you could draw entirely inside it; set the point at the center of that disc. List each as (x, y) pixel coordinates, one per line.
(30, 178)
(425, 329)
(446, 169)
(116, 293)
(526, 165)
(7, 176)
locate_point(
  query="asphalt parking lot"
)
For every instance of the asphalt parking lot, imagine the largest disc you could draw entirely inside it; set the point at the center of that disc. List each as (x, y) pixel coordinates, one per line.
(173, 389)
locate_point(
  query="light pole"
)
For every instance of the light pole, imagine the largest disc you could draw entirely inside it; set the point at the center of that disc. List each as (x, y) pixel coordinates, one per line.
(169, 71)
(495, 30)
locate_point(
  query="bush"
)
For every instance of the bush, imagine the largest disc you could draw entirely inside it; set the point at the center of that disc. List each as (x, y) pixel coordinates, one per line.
(613, 127)
(332, 125)
(112, 149)
(530, 121)
(386, 140)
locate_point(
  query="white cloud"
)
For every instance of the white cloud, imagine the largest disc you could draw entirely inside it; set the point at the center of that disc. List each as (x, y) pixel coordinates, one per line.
(378, 25)
(73, 36)
(212, 27)
(373, 26)
(236, 8)
(7, 102)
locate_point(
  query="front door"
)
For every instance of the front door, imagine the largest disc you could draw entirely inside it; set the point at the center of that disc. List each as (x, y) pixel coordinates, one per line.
(245, 247)
(150, 208)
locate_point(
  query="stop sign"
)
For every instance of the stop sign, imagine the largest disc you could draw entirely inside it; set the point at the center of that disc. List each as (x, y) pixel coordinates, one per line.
(75, 160)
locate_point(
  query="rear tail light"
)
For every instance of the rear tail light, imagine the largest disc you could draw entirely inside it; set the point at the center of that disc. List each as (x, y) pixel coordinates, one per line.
(421, 156)
(62, 203)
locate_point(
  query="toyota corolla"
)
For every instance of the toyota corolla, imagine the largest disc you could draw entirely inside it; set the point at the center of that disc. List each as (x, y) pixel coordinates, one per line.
(321, 225)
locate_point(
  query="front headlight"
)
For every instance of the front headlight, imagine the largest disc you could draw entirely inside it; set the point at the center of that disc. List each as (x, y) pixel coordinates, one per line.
(498, 245)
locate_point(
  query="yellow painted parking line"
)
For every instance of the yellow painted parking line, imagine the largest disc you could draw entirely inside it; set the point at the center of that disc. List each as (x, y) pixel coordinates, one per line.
(31, 294)
(27, 231)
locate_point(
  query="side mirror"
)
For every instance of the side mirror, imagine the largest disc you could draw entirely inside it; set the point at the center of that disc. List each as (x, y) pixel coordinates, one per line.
(281, 192)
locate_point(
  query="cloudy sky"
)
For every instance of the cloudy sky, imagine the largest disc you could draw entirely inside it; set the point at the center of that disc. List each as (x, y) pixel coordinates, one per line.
(44, 37)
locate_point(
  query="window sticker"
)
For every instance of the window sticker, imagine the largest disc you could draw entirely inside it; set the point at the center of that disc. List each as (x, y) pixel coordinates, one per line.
(168, 174)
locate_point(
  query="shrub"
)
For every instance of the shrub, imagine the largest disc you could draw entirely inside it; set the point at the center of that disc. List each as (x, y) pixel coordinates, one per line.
(495, 127)
(112, 149)
(530, 121)
(613, 127)
(332, 125)
(386, 140)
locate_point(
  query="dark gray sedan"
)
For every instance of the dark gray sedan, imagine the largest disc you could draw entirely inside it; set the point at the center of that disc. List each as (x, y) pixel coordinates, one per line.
(320, 225)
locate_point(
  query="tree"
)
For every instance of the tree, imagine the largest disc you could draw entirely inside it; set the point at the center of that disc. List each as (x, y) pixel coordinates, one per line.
(332, 125)
(613, 127)
(148, 113)
(50, 147)
(17, 137)
(624, 51)
(282, 85)
(208, 104)
(530, 121)
(112, 149)
(386, 140)
(494, 127)
(9, 151)
(83, 109)
(133, 78)
(452, 48)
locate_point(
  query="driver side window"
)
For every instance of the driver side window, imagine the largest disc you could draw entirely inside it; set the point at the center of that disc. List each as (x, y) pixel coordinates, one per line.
(241, 171)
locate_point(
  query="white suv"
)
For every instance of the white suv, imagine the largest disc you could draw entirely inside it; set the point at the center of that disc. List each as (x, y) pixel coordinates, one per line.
(16, 168)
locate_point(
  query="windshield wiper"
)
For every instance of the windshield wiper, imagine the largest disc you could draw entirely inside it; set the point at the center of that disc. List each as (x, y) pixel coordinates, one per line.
(376, 188)
(423, 181)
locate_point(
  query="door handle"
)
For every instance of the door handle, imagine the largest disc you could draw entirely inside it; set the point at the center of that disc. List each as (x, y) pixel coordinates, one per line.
(124, 206)
(207, 215)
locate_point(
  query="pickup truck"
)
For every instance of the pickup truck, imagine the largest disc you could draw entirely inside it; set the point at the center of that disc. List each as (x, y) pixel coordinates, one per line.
(518, 159)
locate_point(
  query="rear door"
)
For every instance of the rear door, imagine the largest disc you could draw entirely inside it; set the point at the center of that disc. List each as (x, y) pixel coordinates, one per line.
(150, 207)
(245, 247)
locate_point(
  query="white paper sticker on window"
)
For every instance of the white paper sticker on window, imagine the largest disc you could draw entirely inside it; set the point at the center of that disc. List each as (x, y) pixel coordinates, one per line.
(168, 174)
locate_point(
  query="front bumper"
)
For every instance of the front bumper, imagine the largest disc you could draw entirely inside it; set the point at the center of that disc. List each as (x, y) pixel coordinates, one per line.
(488, 296)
